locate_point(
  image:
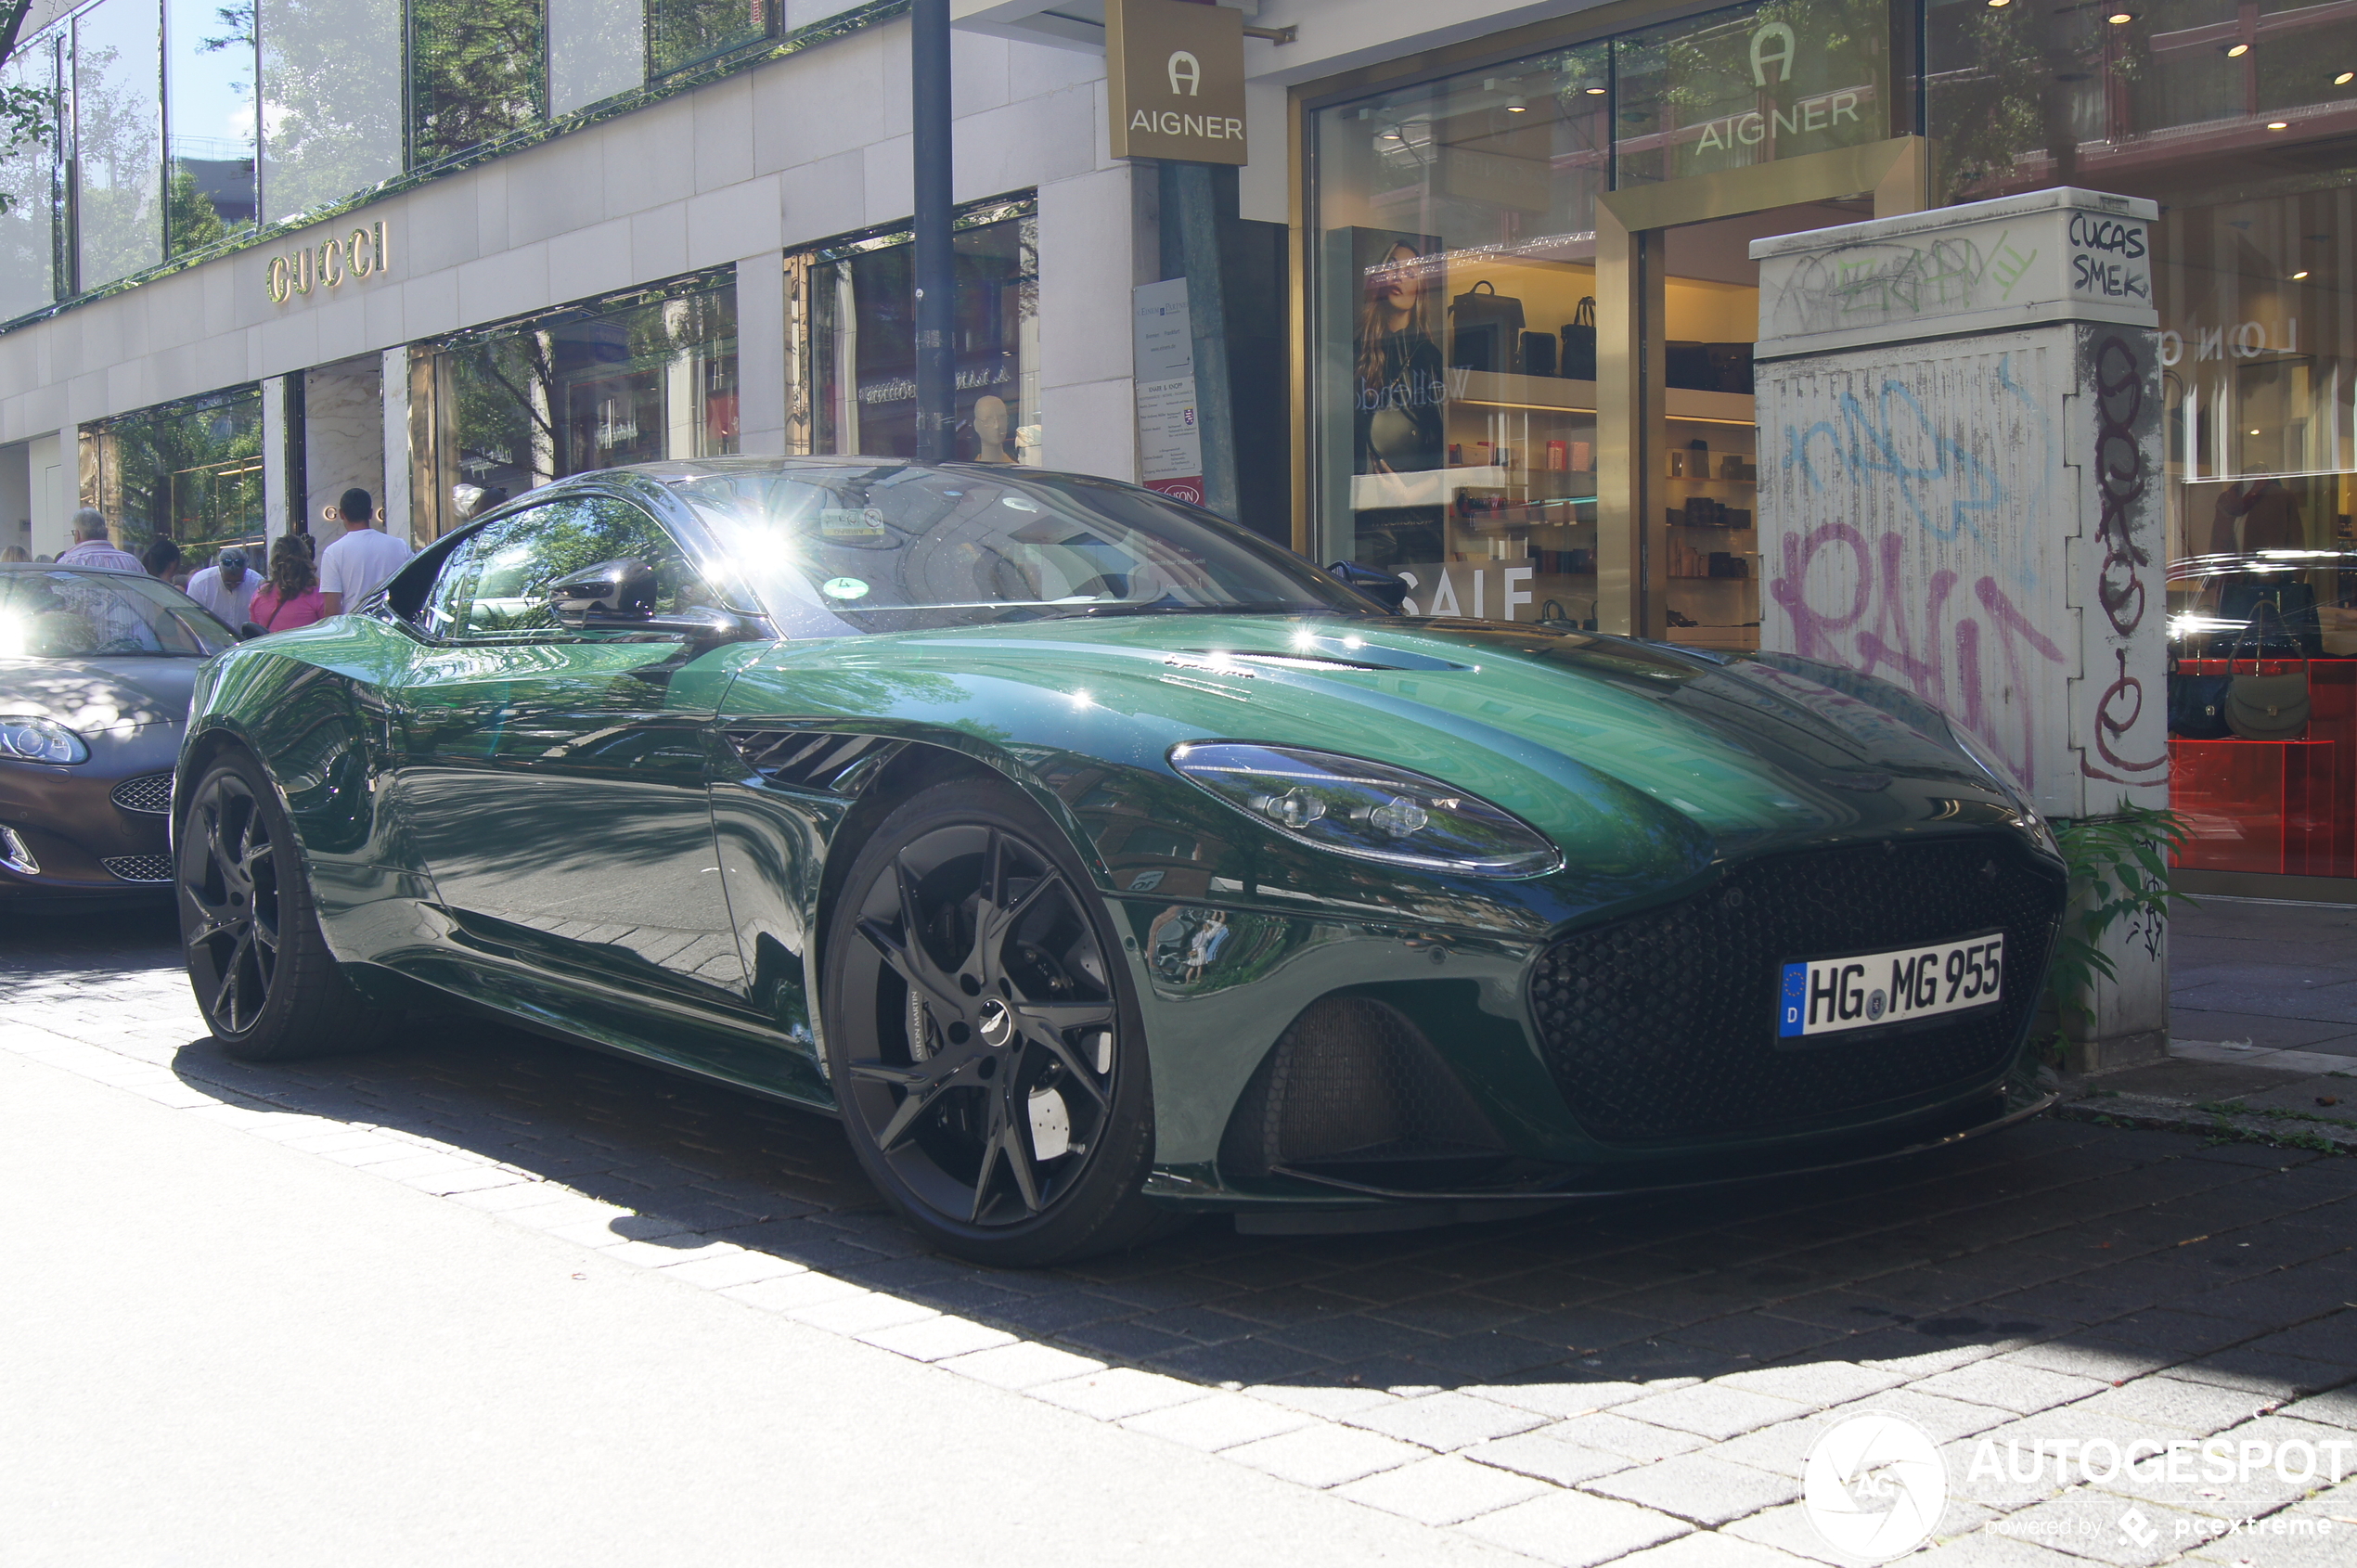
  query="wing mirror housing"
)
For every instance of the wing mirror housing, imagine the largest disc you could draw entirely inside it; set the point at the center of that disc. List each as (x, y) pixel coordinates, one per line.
(1385, 588)
(619, 596)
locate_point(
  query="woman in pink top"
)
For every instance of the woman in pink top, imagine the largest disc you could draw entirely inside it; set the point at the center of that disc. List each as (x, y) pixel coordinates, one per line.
(291, 596)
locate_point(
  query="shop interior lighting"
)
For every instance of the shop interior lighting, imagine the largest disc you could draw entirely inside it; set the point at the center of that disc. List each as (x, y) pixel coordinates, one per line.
(2300, 274)
(2121, 19)
(2345, 78)
(1999, 4)
(2279, 124)
(1595, 90)
(2236, 51)
(1514, 105)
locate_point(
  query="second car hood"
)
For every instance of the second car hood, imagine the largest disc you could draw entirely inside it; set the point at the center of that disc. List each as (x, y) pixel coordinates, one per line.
(1576, 733)
(94, 695)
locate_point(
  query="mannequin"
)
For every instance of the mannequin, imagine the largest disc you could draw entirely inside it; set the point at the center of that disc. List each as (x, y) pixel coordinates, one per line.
(990, 429)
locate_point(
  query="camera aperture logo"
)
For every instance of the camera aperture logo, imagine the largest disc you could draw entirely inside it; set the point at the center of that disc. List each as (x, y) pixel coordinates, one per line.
(1873, 1487)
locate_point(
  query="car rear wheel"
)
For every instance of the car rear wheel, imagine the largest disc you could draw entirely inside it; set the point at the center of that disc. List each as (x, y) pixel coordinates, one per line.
(264, 977)
(982, 1037)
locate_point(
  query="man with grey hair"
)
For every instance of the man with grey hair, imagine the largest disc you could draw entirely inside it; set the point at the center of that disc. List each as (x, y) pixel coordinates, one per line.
(226, 587)
(92, 548)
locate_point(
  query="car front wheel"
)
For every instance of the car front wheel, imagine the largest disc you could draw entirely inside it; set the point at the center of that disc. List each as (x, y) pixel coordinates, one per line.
(269, 988)
(983, 1039)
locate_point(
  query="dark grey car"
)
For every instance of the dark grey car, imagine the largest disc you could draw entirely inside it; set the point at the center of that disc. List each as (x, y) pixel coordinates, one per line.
(95, 670)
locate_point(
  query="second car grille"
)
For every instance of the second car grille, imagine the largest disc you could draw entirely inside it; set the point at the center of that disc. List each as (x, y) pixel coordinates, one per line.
(150, 792)
(139, 868)
(1664, 1025)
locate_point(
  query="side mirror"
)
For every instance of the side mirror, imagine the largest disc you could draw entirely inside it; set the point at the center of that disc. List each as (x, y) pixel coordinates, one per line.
(250, 630)
(1386, 589)
(612, 593)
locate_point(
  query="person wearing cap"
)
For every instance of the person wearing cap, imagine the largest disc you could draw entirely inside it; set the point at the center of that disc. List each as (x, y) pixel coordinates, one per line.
(225, 588)
(360, 558)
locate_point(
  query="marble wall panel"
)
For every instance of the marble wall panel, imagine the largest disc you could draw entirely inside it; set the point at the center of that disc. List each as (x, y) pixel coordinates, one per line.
(343, 437)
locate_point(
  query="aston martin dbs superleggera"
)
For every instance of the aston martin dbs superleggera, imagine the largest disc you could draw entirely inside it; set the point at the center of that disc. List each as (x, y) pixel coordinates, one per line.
(1097, 862)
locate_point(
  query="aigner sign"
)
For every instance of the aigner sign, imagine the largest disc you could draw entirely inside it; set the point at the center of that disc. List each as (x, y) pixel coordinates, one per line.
(358, 255)
(1175, 80)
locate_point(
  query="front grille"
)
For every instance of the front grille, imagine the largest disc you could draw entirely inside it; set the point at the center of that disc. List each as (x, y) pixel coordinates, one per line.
(139, 868)
(1664, 1024)
(1354, 1084)
(150, 793)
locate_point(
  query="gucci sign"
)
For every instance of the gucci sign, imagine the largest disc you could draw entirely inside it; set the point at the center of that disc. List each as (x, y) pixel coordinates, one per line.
(358, 255)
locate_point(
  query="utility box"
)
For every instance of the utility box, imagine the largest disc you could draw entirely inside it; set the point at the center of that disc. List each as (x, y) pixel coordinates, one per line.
(1960, 492)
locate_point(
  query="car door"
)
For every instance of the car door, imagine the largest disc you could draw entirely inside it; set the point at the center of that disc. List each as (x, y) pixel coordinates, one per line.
(555, 777)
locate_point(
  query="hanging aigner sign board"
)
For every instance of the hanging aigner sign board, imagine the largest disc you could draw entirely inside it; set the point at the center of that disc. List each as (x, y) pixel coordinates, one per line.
(1175, 80)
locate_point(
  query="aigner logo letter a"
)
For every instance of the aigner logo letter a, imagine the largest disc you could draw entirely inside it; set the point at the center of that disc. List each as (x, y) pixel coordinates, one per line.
(1186, 74)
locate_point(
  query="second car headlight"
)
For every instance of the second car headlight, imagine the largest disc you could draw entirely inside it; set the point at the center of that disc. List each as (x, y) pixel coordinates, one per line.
(1368, 810)
(28, 740)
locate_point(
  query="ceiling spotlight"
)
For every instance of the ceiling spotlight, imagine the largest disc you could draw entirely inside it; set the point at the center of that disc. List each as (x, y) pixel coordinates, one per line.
(2345, 78)
(1595, 91)
(2121, 19)
(2236, 51)
(2279, 124)
(2297, 275)
(1999, 4)
(2254, 432)
(1514, 105)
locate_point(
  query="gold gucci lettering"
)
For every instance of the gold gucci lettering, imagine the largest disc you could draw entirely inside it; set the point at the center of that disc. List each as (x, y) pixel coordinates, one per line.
(361, 254)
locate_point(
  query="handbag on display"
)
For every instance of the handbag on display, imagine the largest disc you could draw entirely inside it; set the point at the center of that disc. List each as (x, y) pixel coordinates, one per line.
(2266, 707)
(2197, 705)
(1578, 361)
(1484, 329)
(1538, 354)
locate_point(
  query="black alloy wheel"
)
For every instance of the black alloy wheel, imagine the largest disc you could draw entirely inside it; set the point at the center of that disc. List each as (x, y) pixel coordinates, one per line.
(260, 970)
(987, 1059)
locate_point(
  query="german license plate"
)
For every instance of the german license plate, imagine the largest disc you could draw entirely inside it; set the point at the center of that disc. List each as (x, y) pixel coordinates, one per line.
(1871, 990)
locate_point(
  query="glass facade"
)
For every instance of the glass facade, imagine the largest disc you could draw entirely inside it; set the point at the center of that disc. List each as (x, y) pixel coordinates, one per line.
(633, 378)
(597, 48)
(187, 472)
(212, 123)
(685, 32)
(475, 73)
(330, 101)
(118, 126)
(857, 359)
(27, 179)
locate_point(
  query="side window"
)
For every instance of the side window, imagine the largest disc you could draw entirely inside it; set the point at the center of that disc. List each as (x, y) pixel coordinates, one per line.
(500, 579)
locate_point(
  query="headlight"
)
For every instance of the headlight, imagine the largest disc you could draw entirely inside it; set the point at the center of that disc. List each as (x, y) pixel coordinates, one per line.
(2026, 817)
(1368, 810)
(28, 739)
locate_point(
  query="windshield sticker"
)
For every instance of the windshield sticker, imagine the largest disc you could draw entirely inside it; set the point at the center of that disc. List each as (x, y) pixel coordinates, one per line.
(844, 587)
(853, 525)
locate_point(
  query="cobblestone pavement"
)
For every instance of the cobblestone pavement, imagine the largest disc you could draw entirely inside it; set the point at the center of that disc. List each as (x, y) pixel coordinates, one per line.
(1638, 1382)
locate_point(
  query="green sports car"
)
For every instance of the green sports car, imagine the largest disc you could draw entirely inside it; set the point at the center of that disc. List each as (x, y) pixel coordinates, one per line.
(1099, 862)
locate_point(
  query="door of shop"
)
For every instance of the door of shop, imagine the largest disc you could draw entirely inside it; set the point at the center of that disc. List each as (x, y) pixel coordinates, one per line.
(1676, 466)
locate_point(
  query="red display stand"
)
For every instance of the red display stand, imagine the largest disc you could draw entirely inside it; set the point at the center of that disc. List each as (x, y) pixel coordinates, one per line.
(2281, 807)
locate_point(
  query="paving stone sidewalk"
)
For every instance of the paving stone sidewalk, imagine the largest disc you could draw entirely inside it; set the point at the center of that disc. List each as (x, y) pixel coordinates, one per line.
(1637, 1381)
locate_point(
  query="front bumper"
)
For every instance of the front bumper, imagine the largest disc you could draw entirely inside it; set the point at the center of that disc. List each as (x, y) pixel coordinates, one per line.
(95, 829)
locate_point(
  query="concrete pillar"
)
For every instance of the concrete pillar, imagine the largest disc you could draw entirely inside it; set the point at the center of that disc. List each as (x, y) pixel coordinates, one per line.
(346, 419)
(279, 506)
(16, 496)
(50, 465)
(763, 339)
(1961, 492)
(402, 515)
(1088, 264)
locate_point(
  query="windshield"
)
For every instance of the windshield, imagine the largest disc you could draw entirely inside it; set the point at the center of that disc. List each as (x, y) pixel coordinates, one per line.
(55, 613)
(883, 548)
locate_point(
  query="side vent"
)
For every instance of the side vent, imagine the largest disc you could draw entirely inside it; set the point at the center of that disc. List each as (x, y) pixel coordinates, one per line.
(1355, 1090)
(802, 759)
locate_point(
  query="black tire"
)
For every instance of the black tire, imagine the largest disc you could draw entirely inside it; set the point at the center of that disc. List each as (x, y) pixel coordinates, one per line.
(267, 986)
(970, 967)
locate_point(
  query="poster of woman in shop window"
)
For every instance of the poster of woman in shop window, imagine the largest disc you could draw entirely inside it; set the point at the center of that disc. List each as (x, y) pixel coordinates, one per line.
(1399, 384)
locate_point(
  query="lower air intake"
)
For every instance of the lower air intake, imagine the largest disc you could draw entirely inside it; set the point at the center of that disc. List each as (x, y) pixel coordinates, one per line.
(1355, 1088)
(139, 868)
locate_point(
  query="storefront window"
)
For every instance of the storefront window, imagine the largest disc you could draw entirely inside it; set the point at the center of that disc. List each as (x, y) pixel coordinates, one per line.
(118, 82)
(636, 379)
(331, 98)
(210, 122)
(475, 69)
(858, 359)
(187, 472)
(597, 48)
(28, 174)
(685, 32)
(1455, 364)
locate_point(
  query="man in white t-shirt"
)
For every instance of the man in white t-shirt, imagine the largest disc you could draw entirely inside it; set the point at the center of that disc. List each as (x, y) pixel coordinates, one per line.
(226, 587)
(361, 559)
